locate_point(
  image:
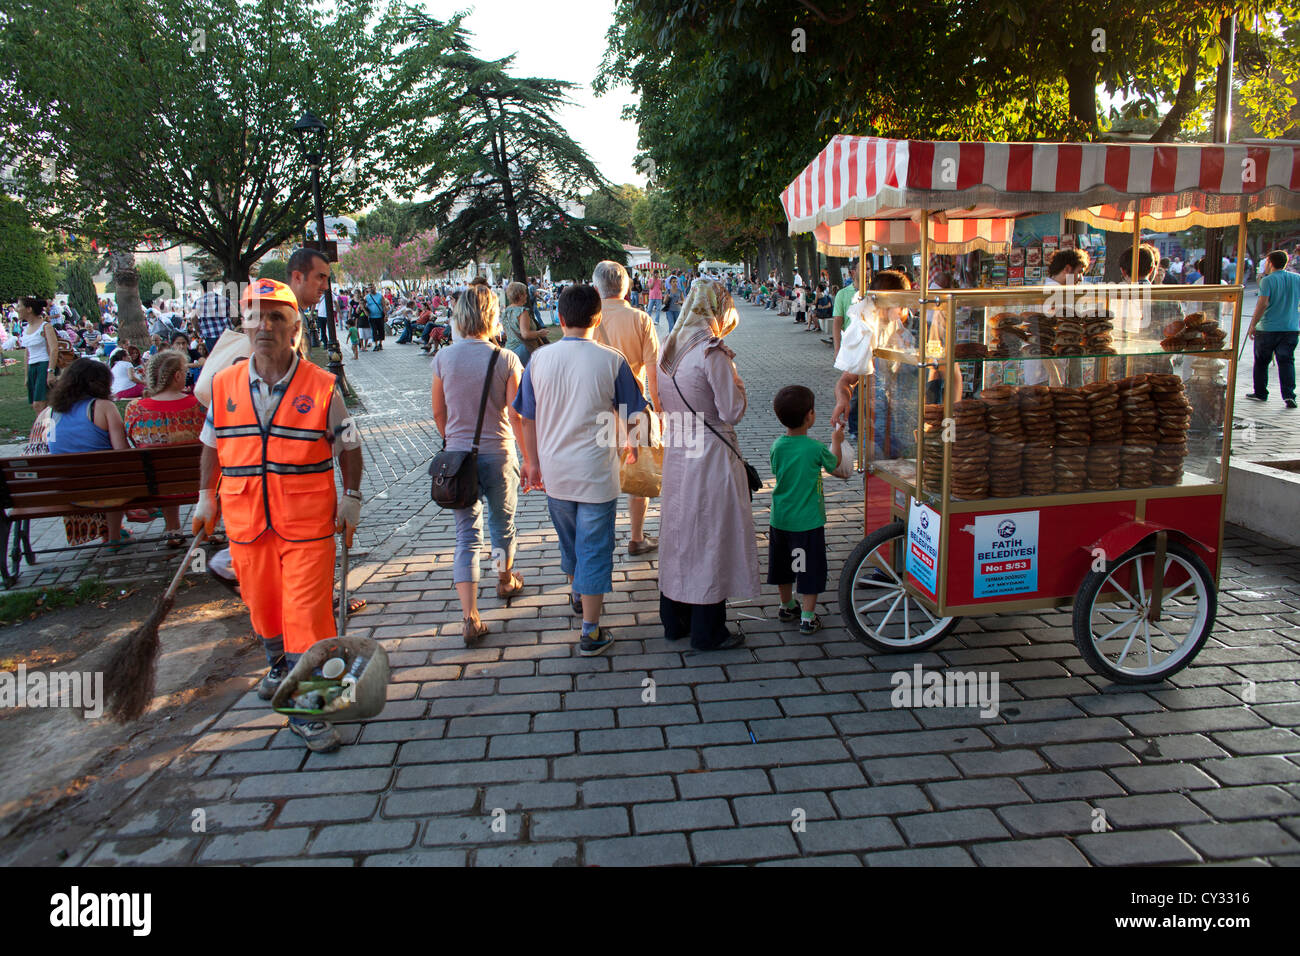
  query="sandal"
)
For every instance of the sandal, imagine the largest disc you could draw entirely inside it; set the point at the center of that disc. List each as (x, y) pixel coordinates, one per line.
(473, 633)
(124, 538)
(507, 591)
(354, 604)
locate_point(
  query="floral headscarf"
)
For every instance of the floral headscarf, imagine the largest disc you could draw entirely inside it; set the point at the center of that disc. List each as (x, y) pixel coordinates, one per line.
(708, 313)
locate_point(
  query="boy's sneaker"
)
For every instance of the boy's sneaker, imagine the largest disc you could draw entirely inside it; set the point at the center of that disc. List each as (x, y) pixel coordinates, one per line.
(319, 735)
(810, 627)
(597, 642)
(787, 615)
(1290, 403)
(269, 684)
(575, 602)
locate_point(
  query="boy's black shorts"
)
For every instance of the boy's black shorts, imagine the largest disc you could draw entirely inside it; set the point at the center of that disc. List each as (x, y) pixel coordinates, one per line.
(805, 570)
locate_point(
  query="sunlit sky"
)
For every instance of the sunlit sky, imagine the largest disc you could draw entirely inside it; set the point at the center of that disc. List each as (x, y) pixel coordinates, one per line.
(565, 42)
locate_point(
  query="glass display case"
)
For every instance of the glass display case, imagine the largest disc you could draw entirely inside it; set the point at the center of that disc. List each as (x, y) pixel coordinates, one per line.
(1100, 391)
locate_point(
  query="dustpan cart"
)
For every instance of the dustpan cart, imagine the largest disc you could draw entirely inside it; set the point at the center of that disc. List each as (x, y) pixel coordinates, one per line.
(985, 491)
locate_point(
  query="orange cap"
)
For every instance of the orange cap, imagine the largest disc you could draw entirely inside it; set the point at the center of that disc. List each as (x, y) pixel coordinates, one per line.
(268, 290)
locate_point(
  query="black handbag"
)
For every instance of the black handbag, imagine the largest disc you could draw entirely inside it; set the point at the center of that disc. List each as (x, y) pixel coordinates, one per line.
(754, 479)
(454, 474)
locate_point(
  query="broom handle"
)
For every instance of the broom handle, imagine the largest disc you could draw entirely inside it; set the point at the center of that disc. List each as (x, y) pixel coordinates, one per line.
(199, 539)
(343, 589)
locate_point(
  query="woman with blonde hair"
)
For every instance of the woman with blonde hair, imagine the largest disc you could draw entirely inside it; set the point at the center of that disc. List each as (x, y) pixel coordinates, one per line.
(166, 415)
(521, 337)
(707, 549)
(462, 374)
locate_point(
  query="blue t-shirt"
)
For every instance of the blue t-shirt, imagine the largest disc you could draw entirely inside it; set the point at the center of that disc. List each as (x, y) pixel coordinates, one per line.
(1283, 312)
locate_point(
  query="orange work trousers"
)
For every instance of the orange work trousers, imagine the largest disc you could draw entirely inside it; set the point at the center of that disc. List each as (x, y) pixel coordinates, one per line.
(288, 587)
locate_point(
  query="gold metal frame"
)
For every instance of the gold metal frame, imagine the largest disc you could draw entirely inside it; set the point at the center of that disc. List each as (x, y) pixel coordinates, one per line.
(947, 303)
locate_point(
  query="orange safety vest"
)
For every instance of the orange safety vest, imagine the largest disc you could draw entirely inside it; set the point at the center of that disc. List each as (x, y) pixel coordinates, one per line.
(282, 478)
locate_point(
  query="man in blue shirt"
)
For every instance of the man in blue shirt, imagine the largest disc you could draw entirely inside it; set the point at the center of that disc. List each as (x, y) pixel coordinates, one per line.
(1275, 327)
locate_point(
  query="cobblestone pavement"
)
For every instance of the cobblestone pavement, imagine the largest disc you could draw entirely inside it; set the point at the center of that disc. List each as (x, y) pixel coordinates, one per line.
(785, 751)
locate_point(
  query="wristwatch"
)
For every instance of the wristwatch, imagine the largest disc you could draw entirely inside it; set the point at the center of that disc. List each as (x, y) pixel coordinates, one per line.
(353, 493)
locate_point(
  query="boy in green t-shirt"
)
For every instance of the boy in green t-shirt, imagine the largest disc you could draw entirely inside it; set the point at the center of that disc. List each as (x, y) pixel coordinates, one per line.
(796, 546)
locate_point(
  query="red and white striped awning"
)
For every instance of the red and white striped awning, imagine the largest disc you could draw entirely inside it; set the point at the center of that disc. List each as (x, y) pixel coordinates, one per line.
(647, 266)
(865, 177)
(899, 236)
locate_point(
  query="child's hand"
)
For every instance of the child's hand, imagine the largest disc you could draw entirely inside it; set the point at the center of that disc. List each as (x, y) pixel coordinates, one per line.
(837, 431)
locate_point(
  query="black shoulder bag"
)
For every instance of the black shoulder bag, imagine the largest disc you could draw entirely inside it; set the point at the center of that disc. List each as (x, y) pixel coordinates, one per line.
(454, 474)
(751, 473)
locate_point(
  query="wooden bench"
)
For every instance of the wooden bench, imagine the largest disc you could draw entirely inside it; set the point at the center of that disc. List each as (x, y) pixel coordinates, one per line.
(50, 486)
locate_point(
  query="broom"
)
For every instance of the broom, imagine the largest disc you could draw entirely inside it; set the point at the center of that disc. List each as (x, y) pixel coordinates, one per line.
(129, 683)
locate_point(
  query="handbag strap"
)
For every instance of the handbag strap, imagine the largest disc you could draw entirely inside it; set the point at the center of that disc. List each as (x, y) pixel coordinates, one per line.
(482, 402)
(705, 420)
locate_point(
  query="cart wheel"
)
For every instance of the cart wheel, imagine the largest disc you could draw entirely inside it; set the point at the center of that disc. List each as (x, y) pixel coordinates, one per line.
(875, 605)
(1120, 641)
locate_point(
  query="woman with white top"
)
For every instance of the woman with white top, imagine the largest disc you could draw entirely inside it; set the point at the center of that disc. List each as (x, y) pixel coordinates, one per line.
(128, 381)
(42, 347)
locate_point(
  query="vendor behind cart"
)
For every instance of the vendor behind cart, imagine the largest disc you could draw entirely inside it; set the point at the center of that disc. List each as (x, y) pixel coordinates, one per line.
(884, 328)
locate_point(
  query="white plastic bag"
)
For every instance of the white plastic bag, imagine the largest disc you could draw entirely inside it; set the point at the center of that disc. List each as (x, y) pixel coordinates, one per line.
(858, 340)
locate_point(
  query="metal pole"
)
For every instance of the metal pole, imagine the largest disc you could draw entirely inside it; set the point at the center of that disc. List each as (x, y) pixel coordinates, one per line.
(335, 355)
(1222, 129)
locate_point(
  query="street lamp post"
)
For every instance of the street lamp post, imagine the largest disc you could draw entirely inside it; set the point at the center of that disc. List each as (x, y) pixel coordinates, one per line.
(311, 140)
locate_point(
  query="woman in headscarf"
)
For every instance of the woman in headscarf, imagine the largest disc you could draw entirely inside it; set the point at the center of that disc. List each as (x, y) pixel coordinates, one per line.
(707, 549)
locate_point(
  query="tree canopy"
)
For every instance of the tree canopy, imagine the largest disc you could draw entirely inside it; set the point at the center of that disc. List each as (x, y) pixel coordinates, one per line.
(141, 118)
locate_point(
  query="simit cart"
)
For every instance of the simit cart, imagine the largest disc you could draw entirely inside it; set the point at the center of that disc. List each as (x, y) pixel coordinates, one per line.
(1043, 446)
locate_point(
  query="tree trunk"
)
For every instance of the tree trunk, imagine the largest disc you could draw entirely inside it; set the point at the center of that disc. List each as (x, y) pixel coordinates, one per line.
(760, 264)
(131, 329)
(807, 252)
(785, 253)
(1081, 79)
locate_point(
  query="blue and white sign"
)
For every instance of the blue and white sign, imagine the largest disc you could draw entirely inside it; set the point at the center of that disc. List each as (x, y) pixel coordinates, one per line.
(1006, 554)
(923, 533)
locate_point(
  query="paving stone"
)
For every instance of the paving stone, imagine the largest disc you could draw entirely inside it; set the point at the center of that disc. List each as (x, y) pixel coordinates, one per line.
(627, 790)
(483, 771)
(909, 769)
(1178, 747)
(1039, 819)
(817, 777)
(148, 851)
(701, 735)
(317, 783)
(880, 801)
(1274, 740)
(942, 856)
(997, 762)
(600, 821)
(1163, 777)
(488, 726)
(661, 849)
(865, 833)
(1148, 810)
(1059, 731)
(834, 860)
(1066, 786)
(986, 792)
(951, 826)
(1247, 770)
(573, 720)
(582, 766)
(365, 837)
(532, 745)
(352, 806)
(1136, 848)
(425, 802)
(819, 750)
(781, 808)
(682, 815)
(528, 854)
(722, 783)
(1102, 754)
(1055, 852)
(739, 845)
(1221, 841)
(627, 738)
(420, 858)
(531, 796)
(255, 844)
(1240, 803)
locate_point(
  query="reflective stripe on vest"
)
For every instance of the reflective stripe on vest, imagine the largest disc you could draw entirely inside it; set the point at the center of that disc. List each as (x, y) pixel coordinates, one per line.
(282, 478)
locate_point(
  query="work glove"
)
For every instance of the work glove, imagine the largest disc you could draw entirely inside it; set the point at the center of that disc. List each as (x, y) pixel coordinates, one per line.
(206, 512)
(349, 516)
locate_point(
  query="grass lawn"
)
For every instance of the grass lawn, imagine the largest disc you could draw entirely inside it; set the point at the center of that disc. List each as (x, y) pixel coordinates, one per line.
(16, 415)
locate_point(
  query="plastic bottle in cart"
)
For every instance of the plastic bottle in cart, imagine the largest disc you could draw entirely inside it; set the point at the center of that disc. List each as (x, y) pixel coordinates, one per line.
(355, 671)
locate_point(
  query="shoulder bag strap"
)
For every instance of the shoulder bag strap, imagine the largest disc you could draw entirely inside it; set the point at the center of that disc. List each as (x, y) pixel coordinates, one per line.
(705, 420)
(482, 402)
